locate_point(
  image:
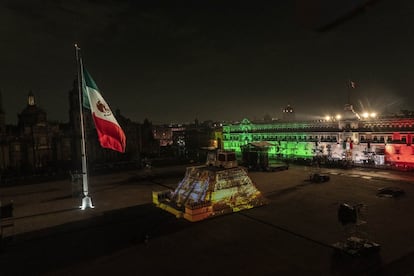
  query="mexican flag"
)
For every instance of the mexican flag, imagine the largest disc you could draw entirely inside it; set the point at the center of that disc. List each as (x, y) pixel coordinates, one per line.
(110, 134)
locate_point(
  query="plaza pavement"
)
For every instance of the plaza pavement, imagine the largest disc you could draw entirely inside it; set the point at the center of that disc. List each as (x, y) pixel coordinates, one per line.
(125, 234)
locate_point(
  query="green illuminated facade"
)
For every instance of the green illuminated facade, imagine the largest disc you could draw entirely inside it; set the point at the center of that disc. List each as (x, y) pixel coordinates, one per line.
(288, 140)
(379, 140)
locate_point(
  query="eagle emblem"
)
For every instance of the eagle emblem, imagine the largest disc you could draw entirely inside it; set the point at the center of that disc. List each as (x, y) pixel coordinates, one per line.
(103, 108)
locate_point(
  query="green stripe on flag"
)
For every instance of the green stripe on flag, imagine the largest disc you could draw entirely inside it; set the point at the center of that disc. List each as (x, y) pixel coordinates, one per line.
(88, 80)
(88, 83)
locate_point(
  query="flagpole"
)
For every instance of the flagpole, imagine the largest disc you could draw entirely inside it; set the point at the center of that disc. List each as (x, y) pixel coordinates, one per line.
(86, 201)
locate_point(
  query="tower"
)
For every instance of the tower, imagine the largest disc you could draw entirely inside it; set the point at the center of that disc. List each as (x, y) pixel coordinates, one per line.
(32, 115)
(31, 99)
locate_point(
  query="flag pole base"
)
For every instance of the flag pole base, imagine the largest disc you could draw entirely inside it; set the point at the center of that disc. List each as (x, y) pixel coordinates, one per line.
(86, 203)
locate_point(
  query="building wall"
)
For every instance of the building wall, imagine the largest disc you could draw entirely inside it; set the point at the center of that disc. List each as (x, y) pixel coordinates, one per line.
(381, 141)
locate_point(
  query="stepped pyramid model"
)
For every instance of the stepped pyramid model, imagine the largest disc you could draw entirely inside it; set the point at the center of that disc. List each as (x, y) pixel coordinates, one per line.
(220, 187)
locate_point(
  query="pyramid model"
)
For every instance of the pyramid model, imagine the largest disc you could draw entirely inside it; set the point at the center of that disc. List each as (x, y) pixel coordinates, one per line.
(207, 191)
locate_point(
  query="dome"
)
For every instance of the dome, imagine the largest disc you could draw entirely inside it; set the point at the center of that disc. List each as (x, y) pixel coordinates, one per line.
(31, 114)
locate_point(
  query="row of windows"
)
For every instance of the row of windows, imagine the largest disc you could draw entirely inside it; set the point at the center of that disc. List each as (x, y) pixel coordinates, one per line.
(323, 138)
(381, 139)
(391, 125)
(259, 127)
(282, 128)
(375, 139)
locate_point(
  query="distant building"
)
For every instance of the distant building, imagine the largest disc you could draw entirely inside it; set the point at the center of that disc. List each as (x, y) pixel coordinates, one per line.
(187, 141)
(351, 138)
(35, 145)
(163, 134)
(38, 146)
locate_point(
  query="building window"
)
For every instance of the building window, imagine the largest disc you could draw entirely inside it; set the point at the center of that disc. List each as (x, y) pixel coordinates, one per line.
(43, 141)
(16, 147)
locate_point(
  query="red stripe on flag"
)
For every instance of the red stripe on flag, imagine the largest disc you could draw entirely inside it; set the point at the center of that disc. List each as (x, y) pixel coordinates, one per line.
(110, 135)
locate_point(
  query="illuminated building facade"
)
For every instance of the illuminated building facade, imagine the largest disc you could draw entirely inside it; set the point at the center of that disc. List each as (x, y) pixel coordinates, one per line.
(186, 141)
(355, 139)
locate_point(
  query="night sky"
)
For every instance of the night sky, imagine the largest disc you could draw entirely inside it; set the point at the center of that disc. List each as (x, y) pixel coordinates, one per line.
(174, 61)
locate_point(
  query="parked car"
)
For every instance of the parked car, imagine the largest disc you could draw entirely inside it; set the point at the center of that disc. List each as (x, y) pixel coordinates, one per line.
(390, 192)
(318, 178)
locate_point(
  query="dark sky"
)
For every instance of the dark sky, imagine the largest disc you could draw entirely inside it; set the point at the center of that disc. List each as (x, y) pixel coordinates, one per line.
(174, 61)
